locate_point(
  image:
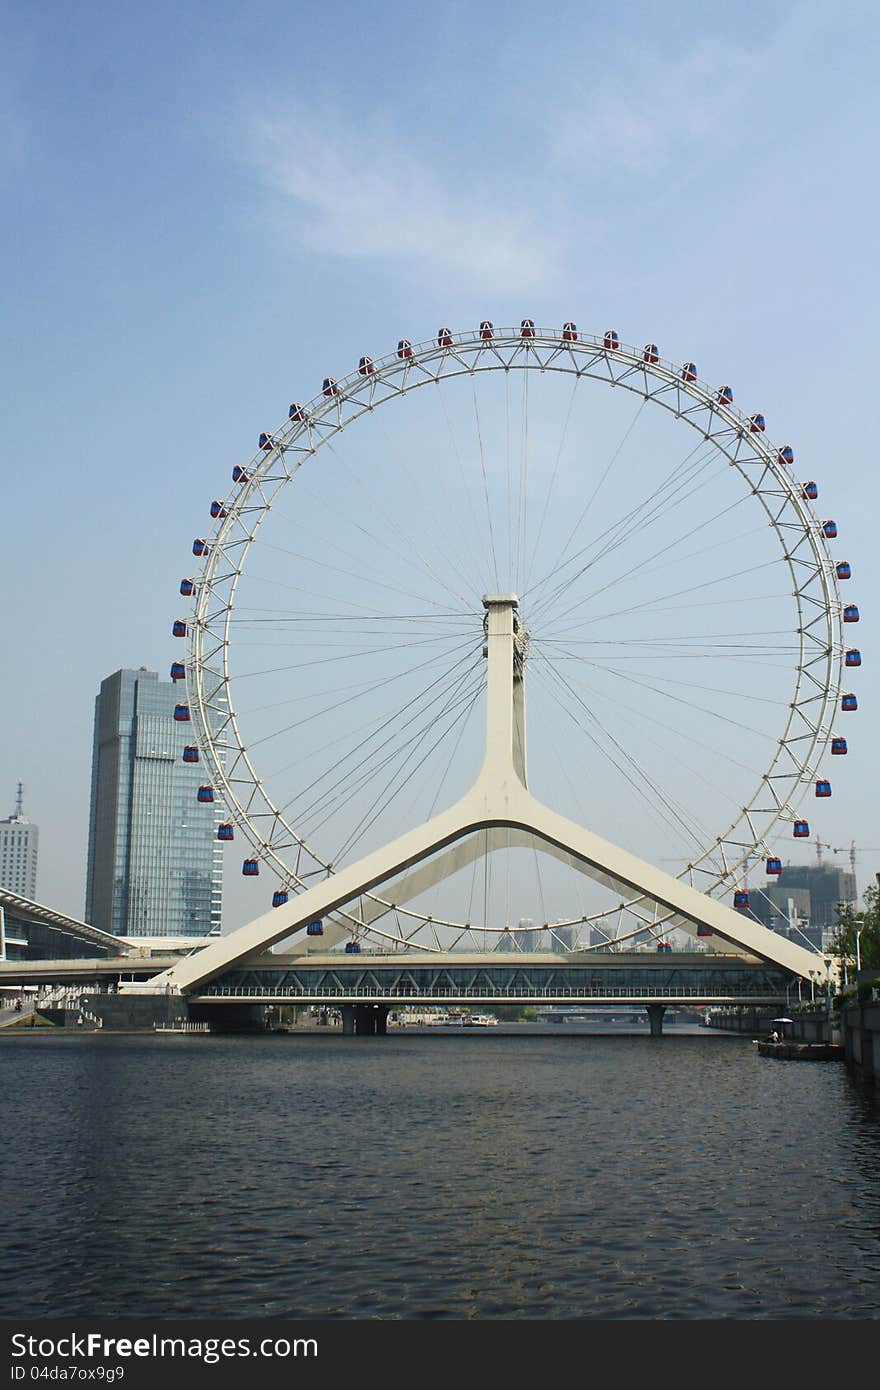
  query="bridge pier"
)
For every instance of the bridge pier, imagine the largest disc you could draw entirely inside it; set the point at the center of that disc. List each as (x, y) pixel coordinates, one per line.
(364, 1020)
(655, 1018)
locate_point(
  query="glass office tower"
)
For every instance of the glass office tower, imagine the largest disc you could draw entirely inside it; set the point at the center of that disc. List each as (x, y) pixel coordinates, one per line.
(154, 864)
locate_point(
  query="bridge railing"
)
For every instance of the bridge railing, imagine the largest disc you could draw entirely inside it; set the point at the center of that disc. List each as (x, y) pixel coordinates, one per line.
(447, 992)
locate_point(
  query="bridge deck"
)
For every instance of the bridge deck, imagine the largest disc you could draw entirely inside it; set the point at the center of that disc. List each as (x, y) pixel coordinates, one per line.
(622, 977)
(636, 977)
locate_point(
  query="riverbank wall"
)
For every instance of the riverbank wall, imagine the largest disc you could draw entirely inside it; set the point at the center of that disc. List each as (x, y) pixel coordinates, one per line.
(147, 1013)
(804, 1027)
(856, 1027)
(860, 1026)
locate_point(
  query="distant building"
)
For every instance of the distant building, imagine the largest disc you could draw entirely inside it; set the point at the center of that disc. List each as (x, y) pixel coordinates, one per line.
(19, 842)
(828, 887)
(601, 936)
(563, 938)
(154, 863)
(779, 905)
(526, 937)
(813, 891)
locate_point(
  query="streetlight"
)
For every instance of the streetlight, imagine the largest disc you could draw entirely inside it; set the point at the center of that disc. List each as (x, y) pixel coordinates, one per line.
(813, 974)
(828, 964)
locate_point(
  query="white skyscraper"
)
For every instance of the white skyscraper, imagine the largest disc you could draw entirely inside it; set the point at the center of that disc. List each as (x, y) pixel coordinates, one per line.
(19, 840)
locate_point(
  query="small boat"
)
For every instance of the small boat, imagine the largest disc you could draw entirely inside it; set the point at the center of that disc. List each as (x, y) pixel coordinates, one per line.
(190, 1028)
(479, 1021)
(800, 1051)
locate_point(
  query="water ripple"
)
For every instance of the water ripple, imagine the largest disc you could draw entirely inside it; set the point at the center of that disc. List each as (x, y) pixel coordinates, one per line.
(579, 1177)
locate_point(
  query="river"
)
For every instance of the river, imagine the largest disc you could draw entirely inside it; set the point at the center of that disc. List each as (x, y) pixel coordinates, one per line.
(493, 1174)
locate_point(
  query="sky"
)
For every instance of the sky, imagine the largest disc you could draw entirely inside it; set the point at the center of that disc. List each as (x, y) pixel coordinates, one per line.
(209, 208)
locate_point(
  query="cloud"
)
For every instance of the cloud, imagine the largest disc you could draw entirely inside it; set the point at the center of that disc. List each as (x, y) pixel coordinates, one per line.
(366, 194)
(657, 112)
(651, 104)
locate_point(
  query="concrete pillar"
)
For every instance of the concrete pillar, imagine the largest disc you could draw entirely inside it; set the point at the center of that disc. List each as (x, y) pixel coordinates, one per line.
(366, 1019)
(655, 1018)
(370, 1020)
(347, 1011)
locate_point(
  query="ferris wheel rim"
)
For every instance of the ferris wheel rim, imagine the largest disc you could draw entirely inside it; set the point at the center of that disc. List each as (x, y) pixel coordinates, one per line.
(321, 419)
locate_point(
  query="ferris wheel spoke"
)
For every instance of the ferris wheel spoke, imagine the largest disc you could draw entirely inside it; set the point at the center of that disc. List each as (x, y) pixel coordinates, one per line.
(355, 696)
(636, 571)
(371, 730)
(561, 560)
(471, 512)
(455, 712)
(409, 551)
(363, 579)
(584, 816)
(437, 690)
(368, 572)
(550, 490)
(689, 685)
(626, 533)
(652, 798)
(491, 528)
(447, 543)
(710, 548)
(400, 754)
(461, 641)
(687, 736)
(372, 651)
(626, 524)
(685, 733)
(370, 766)
(367, 611)
(453, 619)
(663, 599)
(522, 502)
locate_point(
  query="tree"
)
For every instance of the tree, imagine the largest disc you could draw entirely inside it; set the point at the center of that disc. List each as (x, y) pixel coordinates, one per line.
(867, 923)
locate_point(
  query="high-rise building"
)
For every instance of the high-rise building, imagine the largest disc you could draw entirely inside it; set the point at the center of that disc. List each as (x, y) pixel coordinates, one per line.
(526, 938)
(563, 938)
(804, 891)
(19, 841)
(154, 863)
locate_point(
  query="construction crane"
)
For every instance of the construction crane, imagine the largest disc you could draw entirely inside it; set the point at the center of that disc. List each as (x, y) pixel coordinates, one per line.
(843, 849)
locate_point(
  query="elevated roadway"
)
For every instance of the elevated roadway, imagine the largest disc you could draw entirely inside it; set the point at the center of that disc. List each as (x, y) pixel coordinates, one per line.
(21, 918)
(686, 977)
(635, 977)
(82, 970)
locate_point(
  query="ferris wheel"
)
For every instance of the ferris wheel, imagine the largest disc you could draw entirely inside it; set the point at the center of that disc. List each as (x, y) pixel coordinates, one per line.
(679, 618)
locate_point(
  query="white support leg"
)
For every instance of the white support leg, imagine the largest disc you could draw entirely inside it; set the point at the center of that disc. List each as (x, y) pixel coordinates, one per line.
(499, 801)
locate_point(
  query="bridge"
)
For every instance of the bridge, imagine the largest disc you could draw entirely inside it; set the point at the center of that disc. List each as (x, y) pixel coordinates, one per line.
(366, 986)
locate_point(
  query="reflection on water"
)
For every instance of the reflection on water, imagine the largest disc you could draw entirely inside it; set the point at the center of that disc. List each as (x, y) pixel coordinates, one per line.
(416, 1176)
